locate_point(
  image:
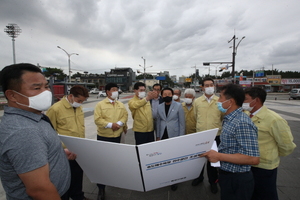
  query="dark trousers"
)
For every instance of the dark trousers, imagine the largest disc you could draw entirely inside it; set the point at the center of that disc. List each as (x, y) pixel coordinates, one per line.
(264, 184)
(107, 139)
(212, 172)
(236, 186)
(143, 137)
(75, 191)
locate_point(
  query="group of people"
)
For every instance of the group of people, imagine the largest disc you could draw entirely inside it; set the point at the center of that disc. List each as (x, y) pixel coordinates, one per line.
(34, 164)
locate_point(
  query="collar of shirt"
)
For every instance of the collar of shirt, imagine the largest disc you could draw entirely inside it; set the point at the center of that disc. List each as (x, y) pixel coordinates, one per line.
(210, 98)
(232, 115)
(256, 111)
(66, 102)
(27, 114)
(111, 101)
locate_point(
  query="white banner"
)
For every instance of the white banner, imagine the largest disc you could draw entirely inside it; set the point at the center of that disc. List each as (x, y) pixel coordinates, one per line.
(144, 167)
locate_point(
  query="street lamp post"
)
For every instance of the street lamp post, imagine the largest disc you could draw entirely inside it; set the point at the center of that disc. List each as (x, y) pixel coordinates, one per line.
(234, 50)
(144, 69)
(13, 30)
(69, 55)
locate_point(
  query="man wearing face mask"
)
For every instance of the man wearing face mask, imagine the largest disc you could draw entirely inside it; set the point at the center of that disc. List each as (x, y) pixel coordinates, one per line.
(274, 139)
(110, 116)
(141, 112)
(188, 108)
(177, 95)
(238, 149)
(33, 164)
(208, 116)
(67, 118)
(157, 99)
(170, 120)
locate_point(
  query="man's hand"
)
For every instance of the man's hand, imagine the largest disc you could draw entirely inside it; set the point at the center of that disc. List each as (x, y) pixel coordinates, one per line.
(212, 156)
(151, 95)
(70, 155)
(115, 126)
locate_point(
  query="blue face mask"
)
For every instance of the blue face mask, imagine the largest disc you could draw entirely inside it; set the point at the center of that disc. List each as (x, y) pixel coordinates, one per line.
(220, 107)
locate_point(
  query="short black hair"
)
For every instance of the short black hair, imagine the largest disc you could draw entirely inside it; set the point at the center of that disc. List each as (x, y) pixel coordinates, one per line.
(256, 92)
(157, 84)
(161, 93)
(137, 85)
(77, 90)
(207, 79)
(234, 91)
(110, 85)
(10, 76)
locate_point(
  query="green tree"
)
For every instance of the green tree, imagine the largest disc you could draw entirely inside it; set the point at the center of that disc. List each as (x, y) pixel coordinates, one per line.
(58, 73)
(141, 76)
(77, 75)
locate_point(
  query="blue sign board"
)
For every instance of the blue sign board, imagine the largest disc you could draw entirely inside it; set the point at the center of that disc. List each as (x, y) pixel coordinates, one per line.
(161, 78)
(259, 73)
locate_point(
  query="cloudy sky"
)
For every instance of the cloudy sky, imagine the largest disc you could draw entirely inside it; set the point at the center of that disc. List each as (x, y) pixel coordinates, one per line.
(172, 35)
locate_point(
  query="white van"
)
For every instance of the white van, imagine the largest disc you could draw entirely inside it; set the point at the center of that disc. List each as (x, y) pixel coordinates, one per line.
(295, 93)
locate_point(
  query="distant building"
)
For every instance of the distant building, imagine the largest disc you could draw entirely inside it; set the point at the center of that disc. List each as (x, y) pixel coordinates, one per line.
(97, 79)
(123, 77)
(174, 78)
(164, 73)
(182, 79)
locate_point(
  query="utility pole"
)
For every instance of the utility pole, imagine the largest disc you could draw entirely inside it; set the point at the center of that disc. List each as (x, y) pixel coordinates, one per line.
(234, 50)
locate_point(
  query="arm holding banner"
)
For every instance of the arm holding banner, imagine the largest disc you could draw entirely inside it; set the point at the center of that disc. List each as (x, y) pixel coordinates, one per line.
(236, 158)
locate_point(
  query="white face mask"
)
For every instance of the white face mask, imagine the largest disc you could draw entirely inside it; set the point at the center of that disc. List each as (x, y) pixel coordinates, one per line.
(114, 95)
(142, 95)
(75, 104)
(209, 90)
(188, 100)
(246, 106)
(175, 97)
(40, 102)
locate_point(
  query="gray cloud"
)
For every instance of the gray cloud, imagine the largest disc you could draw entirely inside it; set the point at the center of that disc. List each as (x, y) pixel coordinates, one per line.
(172, 35)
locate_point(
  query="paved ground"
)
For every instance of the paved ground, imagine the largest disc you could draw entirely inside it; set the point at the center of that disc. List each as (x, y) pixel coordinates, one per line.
(288, 172)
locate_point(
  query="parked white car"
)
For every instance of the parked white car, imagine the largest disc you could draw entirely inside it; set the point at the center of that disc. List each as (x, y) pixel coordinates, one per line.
(102, 94)
(94, 91)
(295, 93)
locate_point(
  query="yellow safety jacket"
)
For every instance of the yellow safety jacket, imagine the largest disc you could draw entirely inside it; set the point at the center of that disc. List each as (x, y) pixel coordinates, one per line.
(105, 112)
(190, 119)
(66, 119)
(274, 138)
(208, 115)
(141, 114)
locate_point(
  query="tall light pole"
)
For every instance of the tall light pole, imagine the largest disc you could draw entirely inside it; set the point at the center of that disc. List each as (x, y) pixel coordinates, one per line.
(13, 30)
(144, 69)
(69, 55)
(234, 50)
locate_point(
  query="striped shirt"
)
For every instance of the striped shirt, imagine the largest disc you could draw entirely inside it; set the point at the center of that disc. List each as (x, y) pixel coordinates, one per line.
(239, 135)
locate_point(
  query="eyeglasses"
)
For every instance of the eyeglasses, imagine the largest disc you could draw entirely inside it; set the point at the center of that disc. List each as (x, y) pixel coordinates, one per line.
(157, 90)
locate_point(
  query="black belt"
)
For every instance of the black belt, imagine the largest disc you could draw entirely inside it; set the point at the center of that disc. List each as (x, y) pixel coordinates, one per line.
(226, 172)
